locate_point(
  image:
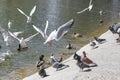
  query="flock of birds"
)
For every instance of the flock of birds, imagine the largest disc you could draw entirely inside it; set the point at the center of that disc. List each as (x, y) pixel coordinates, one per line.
(56, 35)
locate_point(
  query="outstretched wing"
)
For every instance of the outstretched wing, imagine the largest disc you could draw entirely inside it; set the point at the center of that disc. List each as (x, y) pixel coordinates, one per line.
(13, 35)
(62, 30)
(29, 38)
(82, 11)
(90, 7)
(51, 37)
(33, 10)
(9, 24)
(38, 30)
(2, 30)
(90, 2)
(17, 33)
(22, 12)
(46, 27)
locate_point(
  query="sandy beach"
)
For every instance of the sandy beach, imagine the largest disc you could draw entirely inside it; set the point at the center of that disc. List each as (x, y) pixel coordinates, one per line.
(106, 56)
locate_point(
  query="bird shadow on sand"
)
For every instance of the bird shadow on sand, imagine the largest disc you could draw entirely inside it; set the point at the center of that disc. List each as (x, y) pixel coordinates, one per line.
(87, 70)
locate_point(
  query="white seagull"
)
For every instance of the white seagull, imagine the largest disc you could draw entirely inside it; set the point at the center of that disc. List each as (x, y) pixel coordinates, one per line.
(44, 35)
(5, 55)
(22, 41)
(60, 32)
(88, 8)
(6, 36)
(29, 17)
(9, 24)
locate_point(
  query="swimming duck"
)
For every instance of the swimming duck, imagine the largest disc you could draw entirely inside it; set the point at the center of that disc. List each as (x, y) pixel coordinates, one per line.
(76, 35)
(69, 46)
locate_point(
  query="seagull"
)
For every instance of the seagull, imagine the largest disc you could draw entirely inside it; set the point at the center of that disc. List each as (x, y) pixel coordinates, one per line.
(44, 35)
(88, 8)
(60, 32)
(22, 41)
(29, 17)
(5, 55)
(9, 24)
(6, 37)
(101, 12)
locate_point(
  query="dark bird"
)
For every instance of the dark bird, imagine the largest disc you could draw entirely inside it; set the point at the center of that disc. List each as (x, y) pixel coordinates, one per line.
(80, 63)
(114, 27)
(99, 40)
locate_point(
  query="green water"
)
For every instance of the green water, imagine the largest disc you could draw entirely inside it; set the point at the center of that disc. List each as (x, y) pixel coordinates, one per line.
(57, 12)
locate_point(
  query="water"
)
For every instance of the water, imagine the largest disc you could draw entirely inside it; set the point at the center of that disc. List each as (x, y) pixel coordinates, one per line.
(57, 12)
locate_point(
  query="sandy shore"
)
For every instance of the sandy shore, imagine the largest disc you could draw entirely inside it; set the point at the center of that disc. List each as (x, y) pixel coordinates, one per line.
(106, 56)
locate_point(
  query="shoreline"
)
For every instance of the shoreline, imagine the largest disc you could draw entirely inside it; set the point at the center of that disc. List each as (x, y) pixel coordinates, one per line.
(104, 50)
(23, 70)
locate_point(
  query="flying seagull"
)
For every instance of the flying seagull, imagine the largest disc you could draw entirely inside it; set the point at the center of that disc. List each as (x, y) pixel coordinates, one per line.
(22, 41)
(88, 8)
(44, 35)
(29, 17)
(6, 36)
(60, 32)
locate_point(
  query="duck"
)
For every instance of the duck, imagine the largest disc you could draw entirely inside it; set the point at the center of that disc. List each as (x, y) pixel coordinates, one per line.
(69, 46)
(76, 35)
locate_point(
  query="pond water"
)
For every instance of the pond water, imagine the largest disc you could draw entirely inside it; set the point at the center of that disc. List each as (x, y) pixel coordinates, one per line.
(57, 12)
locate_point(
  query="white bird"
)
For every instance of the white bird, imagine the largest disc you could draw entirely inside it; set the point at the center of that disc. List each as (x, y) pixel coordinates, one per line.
(60, 32)
(9, 24)
(88, 8)
(5, 55)
(6, 37)
(22, 41)
(44, 35)
(29, 17)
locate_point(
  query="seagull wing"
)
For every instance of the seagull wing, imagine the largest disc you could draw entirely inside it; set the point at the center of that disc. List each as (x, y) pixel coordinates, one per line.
(90, 7)
(38, 30)
(33, 10)
(29, 38)
(52, 36)
(90, 2)
(9, 24)
(13, 35)
(46, 27)
(22, 12)
(17, 33)
(62, 30)
(2, 30)
(82, 11)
